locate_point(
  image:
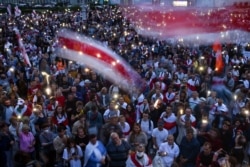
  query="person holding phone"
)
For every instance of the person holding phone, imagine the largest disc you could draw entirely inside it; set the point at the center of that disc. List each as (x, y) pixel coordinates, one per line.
(169, 151)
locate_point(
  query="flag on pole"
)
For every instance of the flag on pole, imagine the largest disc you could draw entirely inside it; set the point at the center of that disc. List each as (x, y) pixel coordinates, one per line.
(18, 12)
(34, 14)
(219, 65)
(9, 9)
(22, 48)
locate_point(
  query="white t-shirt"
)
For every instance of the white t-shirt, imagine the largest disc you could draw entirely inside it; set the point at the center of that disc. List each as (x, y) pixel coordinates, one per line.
(160, 136)
(172, 153)
(146, 128)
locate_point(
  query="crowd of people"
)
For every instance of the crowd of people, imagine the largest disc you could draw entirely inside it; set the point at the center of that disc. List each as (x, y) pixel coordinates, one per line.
(61, 113)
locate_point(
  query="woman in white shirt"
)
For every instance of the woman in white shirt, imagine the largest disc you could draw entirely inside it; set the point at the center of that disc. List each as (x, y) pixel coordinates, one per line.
(72, 154)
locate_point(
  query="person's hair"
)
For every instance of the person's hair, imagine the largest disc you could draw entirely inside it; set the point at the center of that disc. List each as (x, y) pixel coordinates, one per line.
(207, 144)
(78, 103)
(25, 127)
(241, 140)
(189, 131)
(82, 128)
(113, 134)
(170, 136)
(56, 113)
(25, 119)
(132, 133)
(39, 107)
(70, 141)
(61, 128)
(232, 160)
(12, 119)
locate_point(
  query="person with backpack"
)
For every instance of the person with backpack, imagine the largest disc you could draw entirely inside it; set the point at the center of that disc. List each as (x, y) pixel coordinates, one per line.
(147, 127)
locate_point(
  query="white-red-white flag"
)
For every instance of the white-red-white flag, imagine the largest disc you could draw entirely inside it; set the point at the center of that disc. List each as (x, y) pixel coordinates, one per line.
(97, 56)
(18, 12)
(21, 47)
(9, 9)
(34, 14)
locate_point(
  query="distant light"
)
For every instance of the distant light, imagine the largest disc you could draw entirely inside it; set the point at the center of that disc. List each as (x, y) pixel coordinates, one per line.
(180, 3)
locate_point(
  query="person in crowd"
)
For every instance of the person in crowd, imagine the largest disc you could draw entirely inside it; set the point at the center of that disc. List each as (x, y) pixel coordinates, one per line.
(169, 119)
(93, 101)
(103, 98)
(13, 130)
(169, 151)
(22, 109)
(38, 117)
(147, 127)
(113, 109)
(70, 106)
(47, 152)
(51, 107)
(59, 144)
(169, 96)
(218, 113)
(185, 121)
(81, 122)
(130, 114)
(221, 158)
(238, 151)
(72, 154)
(75, 116)
(118, 150)
(229, 81)
(189, 149)
(95, 153)
(205, 157)
(94, 118)
(139, 158)
(226, 136)
(82, 139)
(211, 99)
(60, 118)
(122, 104)
(7, 141)
(109, 127)
(8, 110)
(201, 110)
(192, 84)
(156, 109)
(124, 126)
(159, 135)
(142, 108)
(137, 136)
(22, 159)
(194, 100)
(26, 140)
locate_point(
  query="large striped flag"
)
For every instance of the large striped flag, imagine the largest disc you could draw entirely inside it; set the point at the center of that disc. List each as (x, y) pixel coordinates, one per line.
(21, 47)
(97, 56)
(198, 23)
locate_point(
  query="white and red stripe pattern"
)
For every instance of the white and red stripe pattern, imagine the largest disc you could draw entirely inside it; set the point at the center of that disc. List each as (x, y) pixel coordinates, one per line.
(9, 9)
(18, 12)
(21, 47)
(97, 56)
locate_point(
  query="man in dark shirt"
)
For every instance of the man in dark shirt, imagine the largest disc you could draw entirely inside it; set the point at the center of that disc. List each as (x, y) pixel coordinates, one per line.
(118, 150)
(189, 149)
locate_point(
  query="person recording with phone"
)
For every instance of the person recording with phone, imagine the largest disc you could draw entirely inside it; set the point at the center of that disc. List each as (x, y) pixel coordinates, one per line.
(169, 151)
